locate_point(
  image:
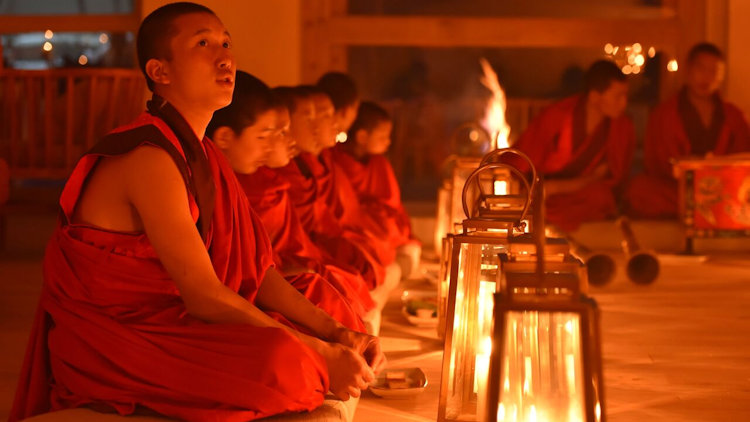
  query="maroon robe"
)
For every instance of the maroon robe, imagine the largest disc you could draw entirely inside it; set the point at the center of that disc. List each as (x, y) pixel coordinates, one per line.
(557, 144)
(323, 223)
(378, 193)
(111, 330)
(269, 197)
(675, 130)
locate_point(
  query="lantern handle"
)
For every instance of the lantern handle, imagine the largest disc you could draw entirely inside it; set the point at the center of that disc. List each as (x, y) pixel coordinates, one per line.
(475, 176)
(494, 155)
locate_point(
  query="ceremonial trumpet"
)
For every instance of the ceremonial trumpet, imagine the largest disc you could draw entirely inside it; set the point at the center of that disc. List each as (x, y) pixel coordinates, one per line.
(600, 267)
(642, 266)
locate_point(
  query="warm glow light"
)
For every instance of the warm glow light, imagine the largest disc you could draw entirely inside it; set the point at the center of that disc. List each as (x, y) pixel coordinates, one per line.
(608, 48)
(494, 115)
(637, 48)
(636, 70)
(474, 135)
(83, 60)
(598, 411)
(631, 60)
(640, 60)
(47, 46)
(627, 69)
(103, 38)
(501, 187)
(341, 137)
(651, 52)
(48, 34)
(672, 66)
(617, 48)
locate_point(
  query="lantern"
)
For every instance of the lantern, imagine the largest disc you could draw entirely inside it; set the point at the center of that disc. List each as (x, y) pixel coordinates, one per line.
(545, 357)
(474, 270)
(545, 361)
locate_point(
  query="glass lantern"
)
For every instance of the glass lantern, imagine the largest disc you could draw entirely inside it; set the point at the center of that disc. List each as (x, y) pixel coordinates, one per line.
(474, 277)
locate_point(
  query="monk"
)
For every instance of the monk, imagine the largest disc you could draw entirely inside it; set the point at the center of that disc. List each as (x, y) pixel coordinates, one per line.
(342, 91)
(316, 201)
(694, 122)
(252, 132)
(363, 162)
(160, 294)
(583, 146)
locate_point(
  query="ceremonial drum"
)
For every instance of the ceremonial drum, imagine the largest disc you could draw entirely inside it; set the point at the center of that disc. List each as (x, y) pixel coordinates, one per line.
(714, 196)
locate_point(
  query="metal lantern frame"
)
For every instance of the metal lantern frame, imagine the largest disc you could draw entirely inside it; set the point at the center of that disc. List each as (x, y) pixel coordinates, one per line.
(474, 252)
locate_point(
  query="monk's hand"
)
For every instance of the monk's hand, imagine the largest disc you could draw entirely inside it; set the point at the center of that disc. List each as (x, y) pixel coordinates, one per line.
(348, 372)
(366, 345)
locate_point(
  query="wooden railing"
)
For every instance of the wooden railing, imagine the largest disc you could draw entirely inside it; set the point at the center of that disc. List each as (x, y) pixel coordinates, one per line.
(50, 118)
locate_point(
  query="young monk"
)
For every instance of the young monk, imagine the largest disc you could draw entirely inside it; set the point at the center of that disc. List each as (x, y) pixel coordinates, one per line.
(244, 131)
(695, 122)
(370, 173)
(159, 279)
(313, 196)
(342, 91)
(583, 146)
(251, 132)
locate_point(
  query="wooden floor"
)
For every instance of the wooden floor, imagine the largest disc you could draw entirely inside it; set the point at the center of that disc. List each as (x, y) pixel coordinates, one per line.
(678, 350)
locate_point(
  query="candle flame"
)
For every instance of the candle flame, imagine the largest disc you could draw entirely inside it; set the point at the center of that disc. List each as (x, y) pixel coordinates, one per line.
(494, 115)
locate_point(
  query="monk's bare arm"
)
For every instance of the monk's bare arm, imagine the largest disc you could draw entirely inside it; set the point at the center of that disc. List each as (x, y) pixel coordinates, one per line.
(276, 294)
(155, 188)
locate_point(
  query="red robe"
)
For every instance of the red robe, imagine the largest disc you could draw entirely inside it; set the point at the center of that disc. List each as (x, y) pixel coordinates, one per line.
(111, 330)
(378, 193)
(269, 197)
(335, 191)
(556, 143)
(672, 133)
(349, 247)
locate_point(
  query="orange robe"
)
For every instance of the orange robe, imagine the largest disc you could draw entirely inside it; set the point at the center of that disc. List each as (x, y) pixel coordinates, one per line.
(269, 197)
(112, 332)
(675, 130)
(378, 193)
(557, 144)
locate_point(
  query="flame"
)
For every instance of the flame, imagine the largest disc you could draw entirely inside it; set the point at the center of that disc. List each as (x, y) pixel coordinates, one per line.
(494, 115)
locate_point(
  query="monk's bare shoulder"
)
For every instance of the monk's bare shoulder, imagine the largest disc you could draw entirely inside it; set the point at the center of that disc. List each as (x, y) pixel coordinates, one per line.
(117, 186)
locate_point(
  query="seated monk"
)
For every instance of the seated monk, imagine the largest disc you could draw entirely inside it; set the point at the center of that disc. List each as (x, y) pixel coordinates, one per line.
(251, 132)
(583, 146)
(695, 122)
(334, 187)
(160, 294)
(309, 194)
(342, 91)
(370, 173)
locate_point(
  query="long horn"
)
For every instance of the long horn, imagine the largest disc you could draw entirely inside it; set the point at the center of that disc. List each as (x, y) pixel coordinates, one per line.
(600, 267)
(643, 266)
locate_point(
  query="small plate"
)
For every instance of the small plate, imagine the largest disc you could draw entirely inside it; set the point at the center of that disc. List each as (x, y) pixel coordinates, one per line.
(415, 379)
(421, 303)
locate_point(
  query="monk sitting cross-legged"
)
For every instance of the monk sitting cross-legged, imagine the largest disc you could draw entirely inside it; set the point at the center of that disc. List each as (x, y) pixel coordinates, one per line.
(370, 173)
(695, 122)
(312, 190)
(583, 146)
(252, 132)
(159, 284)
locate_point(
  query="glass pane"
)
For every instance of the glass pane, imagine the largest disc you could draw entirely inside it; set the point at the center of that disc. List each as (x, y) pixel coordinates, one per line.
(50, 50)
(66, 7)
(638, 9)
(542, 370)
(472, 328)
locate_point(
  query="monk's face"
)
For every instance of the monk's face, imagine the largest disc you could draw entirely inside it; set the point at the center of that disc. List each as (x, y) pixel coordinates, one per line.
(377, 140)
(325, 121)
(613, 100)
(705, 75)
(251, 148)
(302, 126)
(199, 73)
(283, 146)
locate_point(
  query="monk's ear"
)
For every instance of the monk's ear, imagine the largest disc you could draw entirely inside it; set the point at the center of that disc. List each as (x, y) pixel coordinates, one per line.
(223, 137)
(157, 71)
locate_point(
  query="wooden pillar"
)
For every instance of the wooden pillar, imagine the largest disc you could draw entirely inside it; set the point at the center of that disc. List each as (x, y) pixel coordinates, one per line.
(319, 54)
